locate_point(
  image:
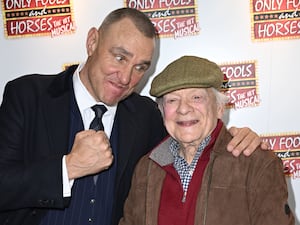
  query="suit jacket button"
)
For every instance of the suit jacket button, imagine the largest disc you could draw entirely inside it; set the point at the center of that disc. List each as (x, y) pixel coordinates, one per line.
(44, 202)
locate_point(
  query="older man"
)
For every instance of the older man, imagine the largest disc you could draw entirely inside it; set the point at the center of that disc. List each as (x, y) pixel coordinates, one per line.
(190, 178)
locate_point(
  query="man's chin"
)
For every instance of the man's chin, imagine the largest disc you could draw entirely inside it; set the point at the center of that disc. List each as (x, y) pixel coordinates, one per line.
(117, 98)
(115, 101)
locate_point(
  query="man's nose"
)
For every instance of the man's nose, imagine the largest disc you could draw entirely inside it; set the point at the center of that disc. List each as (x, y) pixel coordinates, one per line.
(125, 75)
(184, 107)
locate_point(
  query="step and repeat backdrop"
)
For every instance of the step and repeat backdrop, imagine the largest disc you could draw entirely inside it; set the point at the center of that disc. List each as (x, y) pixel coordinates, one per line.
(255, 42)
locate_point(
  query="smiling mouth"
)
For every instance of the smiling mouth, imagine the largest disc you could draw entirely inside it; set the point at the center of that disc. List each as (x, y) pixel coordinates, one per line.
(118, 85)
(187, 123)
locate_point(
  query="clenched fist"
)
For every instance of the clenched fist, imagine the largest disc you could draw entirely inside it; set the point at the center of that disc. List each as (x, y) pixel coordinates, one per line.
(90, 154)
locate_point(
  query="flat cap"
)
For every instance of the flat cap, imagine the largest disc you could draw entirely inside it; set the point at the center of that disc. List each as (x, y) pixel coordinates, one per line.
(187, 72)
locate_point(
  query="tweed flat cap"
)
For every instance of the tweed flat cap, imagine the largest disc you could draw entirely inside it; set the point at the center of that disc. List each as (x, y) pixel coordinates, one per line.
(187, 72)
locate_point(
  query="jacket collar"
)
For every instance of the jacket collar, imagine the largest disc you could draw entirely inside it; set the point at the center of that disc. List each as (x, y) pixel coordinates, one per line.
(162, 154)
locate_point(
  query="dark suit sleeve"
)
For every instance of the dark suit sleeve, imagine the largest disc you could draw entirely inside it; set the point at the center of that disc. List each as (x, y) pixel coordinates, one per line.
(28, 177)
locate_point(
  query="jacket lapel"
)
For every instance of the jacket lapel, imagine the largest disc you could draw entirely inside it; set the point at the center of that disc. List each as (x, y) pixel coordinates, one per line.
(124, 133)
(56, 109)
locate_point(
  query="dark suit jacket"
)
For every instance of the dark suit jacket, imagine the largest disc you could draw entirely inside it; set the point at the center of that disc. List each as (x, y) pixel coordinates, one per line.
(34, 134)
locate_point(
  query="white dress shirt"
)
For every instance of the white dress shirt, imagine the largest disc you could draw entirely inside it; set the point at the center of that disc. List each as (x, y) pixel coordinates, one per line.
(85, 101)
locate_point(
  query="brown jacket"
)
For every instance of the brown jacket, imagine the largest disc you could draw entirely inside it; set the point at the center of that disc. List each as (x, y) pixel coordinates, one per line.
(235, 191)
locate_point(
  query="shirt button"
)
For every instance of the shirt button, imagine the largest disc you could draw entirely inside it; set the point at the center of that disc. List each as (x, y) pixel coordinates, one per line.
(90, 220)
(92, 201)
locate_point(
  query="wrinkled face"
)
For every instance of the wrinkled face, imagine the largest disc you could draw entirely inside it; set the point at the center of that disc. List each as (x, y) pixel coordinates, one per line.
(117, 61)
(191, 114)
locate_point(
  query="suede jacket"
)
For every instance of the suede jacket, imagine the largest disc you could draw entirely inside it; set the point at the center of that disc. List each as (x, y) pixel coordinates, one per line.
(235, 190)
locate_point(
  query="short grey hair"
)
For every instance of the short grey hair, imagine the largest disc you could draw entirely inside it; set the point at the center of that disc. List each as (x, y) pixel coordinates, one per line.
(222, 99)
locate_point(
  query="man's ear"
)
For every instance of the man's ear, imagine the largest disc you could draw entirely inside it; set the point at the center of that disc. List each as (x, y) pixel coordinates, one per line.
(220, 111)
(92, 41)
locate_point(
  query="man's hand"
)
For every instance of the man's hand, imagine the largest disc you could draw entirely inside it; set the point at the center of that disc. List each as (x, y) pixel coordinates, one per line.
(90, 154)
(244, 140)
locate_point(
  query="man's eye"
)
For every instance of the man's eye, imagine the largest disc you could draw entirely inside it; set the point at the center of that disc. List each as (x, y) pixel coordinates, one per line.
(198, 98)
(141, 68)
(171, 101)
(119, 58)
